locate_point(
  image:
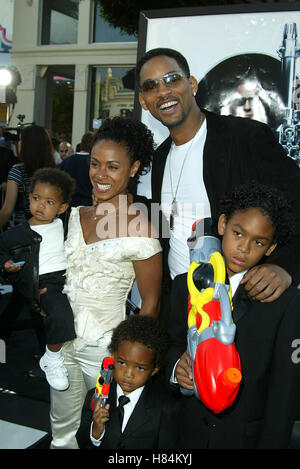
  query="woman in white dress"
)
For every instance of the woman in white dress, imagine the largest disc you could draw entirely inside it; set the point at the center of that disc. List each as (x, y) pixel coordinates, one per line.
(108, 246)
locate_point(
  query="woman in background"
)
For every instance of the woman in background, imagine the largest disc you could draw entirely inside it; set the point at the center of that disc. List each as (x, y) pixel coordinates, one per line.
(35, 152)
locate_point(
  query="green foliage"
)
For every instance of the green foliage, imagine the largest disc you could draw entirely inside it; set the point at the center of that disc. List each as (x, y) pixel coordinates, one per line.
(124, 14)
(62, 111)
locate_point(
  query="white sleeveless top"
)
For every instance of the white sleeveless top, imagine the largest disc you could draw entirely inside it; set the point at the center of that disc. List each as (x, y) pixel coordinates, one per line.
(52, 252)
(192, 199)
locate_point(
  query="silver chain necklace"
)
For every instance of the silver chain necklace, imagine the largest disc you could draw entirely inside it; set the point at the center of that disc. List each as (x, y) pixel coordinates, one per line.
(174, 205)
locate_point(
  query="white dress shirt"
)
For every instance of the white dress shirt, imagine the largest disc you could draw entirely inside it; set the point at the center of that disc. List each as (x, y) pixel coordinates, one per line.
(184, 164)
(128, 409)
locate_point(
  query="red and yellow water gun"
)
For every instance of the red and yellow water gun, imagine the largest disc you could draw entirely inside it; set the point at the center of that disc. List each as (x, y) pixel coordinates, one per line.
(211, 331)
(103, 382)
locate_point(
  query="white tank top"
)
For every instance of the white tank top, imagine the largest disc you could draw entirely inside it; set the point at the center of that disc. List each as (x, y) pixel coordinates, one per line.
(191, 197)
(52, 252)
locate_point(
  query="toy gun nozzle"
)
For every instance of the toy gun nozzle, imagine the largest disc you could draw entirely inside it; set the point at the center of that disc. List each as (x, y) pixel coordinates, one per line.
(290, 31)
(232, 376)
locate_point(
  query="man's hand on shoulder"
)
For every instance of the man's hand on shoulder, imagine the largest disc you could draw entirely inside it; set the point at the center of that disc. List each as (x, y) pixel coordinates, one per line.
(266, 282)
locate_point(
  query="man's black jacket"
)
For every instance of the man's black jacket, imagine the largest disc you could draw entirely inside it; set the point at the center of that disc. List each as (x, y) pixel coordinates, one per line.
(238, 151)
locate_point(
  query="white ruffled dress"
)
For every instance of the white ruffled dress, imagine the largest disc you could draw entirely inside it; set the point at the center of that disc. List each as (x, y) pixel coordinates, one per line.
(99, 277)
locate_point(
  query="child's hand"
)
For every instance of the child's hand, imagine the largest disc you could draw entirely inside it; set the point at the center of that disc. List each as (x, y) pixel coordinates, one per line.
(183, 372)
(41, 292)
(8, 266)
(100, 417)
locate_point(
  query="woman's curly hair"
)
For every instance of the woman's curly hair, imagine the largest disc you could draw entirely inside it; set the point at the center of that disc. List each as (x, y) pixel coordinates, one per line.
(142, 329)
(269, 200)
(132, 134)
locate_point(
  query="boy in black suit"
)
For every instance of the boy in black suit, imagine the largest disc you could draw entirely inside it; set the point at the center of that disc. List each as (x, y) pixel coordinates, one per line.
(138, 346)
(254, 220)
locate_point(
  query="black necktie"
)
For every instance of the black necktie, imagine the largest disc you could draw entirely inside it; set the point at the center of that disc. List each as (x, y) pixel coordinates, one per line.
(123, 400)
(241, 303)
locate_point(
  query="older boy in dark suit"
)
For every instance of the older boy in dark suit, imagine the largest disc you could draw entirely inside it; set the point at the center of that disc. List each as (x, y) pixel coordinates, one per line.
(253, 221)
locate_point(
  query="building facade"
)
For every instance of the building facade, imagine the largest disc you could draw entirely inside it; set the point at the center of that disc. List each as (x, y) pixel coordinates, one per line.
(75, 68)
(6, 26)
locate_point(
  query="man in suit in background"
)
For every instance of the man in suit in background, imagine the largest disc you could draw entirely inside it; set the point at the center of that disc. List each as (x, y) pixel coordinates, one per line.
(7, 160)
(77, 165)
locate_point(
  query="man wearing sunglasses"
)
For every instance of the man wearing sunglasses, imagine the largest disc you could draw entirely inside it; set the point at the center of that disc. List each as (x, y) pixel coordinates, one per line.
(206, 156)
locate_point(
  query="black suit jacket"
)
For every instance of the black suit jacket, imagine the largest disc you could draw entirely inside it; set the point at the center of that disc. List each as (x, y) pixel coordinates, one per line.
(236, 151)
(77, 166)
(7, 160)
(152, 424)
(21, 243)
(265, 409)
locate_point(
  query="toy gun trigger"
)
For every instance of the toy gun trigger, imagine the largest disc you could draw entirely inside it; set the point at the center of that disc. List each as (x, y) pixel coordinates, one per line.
(224, 329)
(218, 264)
(104, 394)
(103, 382)
(107, 371)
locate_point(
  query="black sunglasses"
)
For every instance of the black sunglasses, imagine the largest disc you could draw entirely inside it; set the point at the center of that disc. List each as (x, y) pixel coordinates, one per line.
(170, 78)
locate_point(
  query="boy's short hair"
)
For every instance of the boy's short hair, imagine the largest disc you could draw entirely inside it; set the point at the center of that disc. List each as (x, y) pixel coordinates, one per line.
(269, 200)
(142, 329)
(57, 178)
